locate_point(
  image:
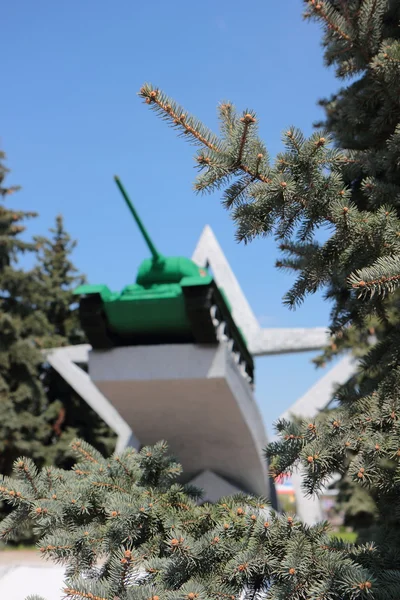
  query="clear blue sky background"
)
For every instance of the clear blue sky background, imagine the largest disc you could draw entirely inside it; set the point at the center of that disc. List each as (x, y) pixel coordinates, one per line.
(71, 118)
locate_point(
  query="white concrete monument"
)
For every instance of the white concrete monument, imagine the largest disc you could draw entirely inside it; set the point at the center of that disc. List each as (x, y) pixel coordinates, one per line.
(195, 397)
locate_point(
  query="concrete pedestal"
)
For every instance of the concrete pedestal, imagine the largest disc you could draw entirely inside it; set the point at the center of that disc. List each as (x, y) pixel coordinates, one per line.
(196, 399)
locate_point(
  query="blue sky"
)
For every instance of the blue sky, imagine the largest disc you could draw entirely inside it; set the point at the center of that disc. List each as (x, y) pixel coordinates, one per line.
(71, 118)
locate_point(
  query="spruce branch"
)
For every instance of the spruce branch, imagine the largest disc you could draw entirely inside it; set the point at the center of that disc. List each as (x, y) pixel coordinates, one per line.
(331, 17)
(155, 541)
(382, 277)
(178, 117)
(247, 120)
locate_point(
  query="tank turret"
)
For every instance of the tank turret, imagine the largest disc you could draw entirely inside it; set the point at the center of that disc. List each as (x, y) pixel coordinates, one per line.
(172, 301)
(159, 269)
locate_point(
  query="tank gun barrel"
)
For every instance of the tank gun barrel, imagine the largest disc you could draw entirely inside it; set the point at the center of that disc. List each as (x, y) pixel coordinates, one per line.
(156, 255)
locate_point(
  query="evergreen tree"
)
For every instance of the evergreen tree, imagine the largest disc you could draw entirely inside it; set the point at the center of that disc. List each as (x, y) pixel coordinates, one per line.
(39, 413)
(125, 529)
(25, 421)
(26, 416)
(56, 277)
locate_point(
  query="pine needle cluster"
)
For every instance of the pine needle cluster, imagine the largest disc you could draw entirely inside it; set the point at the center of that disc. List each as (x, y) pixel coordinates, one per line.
(123, 528)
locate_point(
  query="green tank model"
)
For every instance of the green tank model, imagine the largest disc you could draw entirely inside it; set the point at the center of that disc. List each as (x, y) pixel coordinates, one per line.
(172, 302)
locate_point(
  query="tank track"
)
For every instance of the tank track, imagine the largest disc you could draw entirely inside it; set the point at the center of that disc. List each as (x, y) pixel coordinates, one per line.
(93, 322)
(211, 322)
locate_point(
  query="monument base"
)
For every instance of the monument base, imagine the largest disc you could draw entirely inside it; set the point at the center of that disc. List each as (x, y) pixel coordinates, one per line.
(195, 398)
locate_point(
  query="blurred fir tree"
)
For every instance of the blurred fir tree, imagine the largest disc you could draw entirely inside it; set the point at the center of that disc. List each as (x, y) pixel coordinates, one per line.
(25, 414)
(56, 277)
(39, 413)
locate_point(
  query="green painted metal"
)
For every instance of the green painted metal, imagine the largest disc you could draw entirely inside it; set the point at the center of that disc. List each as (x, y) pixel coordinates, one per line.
(170, 302)
(152, 248)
